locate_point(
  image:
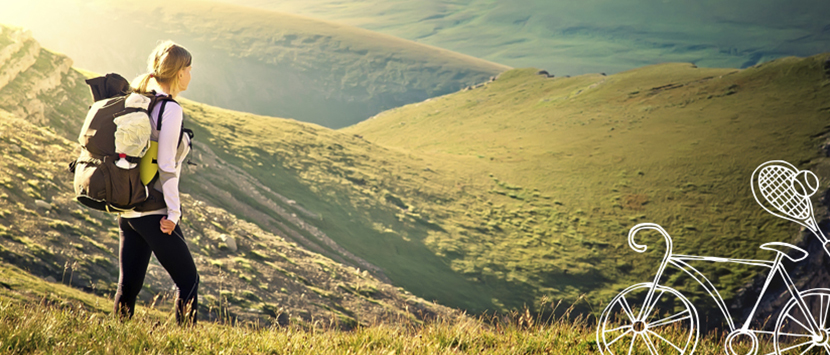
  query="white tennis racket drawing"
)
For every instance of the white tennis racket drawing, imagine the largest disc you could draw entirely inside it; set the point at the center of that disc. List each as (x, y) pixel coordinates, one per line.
(784, 191)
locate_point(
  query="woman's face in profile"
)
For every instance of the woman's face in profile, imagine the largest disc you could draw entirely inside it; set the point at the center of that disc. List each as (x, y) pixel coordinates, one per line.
(184, 78)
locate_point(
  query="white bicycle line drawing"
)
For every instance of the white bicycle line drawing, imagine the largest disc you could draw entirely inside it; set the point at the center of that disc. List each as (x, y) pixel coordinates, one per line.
(631, 322)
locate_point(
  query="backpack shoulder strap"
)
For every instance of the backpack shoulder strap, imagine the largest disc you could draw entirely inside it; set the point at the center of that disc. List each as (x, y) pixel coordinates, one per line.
(163, 100)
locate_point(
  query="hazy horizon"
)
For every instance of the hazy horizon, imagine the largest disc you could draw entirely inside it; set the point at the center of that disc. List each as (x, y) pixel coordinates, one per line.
(566, 37)
(559, 36)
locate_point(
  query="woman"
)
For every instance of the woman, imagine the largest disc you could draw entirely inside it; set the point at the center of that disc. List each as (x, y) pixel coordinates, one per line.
(153, 226)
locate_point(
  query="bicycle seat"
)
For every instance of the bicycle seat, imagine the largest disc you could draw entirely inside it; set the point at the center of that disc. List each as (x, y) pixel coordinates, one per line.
(785, 249)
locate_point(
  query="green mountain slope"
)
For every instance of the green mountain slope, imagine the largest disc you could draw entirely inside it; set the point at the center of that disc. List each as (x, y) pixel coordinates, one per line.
(552, 172)
(253, 60)
(567, 37)
(333, 193)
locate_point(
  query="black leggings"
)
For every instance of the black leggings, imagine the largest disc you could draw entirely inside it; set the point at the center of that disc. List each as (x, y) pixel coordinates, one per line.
(139, 238)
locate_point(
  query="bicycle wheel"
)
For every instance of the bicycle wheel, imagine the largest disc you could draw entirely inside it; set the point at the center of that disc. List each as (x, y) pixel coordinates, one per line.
(669, 324)
(794, 333)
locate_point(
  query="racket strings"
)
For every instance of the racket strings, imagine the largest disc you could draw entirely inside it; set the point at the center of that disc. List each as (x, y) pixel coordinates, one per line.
(775, 183)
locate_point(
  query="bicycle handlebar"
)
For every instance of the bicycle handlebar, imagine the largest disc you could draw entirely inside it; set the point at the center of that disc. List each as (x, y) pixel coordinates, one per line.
(642, 248)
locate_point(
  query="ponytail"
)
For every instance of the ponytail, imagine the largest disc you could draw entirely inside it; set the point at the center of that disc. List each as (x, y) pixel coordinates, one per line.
(141, 83)
(163, 66)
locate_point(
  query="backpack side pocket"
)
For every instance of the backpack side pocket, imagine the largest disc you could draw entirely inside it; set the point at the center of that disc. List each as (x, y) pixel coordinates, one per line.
(90, 185)
(123, 186)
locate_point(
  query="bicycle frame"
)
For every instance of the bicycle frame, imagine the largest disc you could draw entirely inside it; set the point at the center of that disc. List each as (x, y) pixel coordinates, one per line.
(680, 261)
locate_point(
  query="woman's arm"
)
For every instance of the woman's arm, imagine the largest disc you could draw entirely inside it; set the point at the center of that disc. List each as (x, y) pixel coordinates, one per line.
(171, 125)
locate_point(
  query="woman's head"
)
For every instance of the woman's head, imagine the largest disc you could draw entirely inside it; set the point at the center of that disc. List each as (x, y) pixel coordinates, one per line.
(169, 67)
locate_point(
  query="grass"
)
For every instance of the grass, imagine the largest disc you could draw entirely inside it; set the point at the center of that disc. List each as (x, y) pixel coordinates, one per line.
(50, 329)
(599, 36)
(41, 317)
(20, 287)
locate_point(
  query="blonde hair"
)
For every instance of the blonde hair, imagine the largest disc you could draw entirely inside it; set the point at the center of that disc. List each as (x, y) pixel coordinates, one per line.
(163, 67)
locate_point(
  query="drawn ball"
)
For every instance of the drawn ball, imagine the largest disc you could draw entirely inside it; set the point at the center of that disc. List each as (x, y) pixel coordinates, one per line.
(805, 183)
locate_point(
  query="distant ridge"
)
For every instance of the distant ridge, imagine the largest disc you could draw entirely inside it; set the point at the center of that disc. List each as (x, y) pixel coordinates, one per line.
(567, 37)
(259, 61)
(39, 85)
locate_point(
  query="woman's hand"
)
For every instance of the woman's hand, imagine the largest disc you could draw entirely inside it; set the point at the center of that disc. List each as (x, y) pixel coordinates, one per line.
(167, 226)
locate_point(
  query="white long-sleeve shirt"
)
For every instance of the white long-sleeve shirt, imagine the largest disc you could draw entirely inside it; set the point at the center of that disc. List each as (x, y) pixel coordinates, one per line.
(170, 159)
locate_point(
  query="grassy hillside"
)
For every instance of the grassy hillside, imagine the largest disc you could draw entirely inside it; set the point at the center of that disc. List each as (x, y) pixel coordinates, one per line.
(252, 60)
(264, 276)
(567, 37)
(20, 287)
(347, 195)
(551, 172)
